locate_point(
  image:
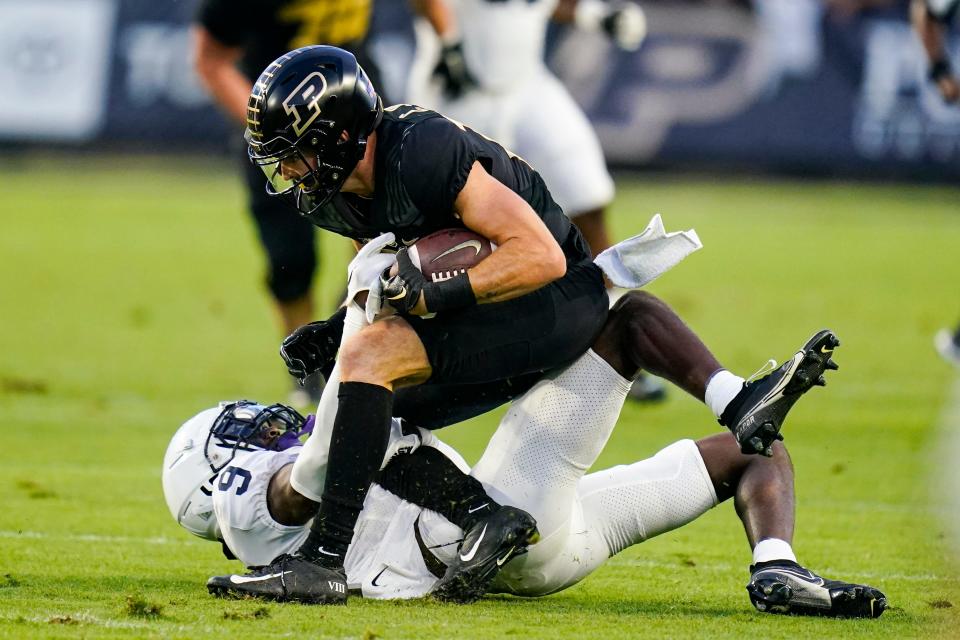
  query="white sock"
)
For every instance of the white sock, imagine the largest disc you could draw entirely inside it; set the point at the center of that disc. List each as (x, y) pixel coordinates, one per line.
(773, 549)
(721, 389)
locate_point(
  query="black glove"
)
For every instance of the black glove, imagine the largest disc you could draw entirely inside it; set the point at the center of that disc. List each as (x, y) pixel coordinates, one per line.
(403, 290)
(313, 347)
(455, 78)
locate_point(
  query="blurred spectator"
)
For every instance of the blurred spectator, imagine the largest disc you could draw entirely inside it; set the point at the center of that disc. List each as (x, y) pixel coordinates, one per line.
(234, 40)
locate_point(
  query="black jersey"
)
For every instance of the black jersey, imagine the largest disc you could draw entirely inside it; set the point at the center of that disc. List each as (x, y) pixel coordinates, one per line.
(421, 164)
(266, 29)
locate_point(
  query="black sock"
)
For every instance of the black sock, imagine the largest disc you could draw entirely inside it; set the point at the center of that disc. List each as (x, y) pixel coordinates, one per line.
(429, 479)
(358, 443)
(733, 407)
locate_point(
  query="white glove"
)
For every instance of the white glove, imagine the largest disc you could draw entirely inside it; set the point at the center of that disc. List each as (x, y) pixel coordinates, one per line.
(368, 264)
(622, 20)
(399, 443)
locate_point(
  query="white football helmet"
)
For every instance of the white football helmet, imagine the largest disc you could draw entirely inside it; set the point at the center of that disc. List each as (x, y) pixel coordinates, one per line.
(206, 443)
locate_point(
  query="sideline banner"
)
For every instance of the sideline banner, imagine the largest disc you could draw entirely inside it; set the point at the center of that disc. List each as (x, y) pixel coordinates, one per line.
(56, 61)
(782, 86)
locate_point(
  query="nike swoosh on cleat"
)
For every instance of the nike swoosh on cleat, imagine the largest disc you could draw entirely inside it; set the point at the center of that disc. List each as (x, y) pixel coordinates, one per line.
(824, 349)
(467, 244)
(777, 391)
(506, 556)
(467, 557)
(477, 508)
(246, 579)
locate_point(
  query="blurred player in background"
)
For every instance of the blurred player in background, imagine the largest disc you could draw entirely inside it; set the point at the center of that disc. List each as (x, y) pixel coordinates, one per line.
(947, 343)
(233, 41)
(931, 19)
(482, 62)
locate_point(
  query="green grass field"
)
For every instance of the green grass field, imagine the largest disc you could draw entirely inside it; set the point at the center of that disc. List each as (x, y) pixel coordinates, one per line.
(131, 298)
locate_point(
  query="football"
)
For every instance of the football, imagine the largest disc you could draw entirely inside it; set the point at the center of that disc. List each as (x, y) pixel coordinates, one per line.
(449, 252)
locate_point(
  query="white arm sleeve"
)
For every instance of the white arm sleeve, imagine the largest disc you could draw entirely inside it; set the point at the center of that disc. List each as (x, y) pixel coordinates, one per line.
(310, 469)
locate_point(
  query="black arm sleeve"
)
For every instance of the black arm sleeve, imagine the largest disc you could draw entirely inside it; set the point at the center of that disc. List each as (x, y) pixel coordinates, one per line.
(429, 479)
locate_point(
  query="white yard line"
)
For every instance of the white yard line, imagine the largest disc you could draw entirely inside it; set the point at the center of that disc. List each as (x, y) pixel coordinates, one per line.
(946, 487)
(92, 537)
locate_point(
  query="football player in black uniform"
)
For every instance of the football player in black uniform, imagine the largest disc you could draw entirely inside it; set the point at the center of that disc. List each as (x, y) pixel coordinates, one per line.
(317, 128)
(233, 41)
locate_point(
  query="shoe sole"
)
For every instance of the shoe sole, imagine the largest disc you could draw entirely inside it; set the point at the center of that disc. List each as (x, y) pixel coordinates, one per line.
(770, 595)
(228, 593)
(757, 430)
(469, 585)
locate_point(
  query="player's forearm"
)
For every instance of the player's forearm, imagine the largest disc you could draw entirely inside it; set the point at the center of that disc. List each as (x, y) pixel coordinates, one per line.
(527, 255)
(516, 268)
(928, 30)
(215, 66)
(439, 15)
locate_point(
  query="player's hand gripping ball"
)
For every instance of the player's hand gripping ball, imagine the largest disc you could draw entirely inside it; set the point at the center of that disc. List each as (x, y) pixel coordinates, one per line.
(435, 266)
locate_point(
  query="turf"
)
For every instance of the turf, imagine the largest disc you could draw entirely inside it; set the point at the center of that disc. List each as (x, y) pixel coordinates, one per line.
(132, 298)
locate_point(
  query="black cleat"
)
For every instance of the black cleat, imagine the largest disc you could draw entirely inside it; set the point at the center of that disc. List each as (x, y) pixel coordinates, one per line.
(288, 578)
(756, 414)
(783, 586)
(486, 547)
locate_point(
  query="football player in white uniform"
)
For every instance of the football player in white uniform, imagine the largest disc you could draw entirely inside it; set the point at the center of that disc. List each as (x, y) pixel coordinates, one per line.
(226, 477)
(229, 474)
(482, 63)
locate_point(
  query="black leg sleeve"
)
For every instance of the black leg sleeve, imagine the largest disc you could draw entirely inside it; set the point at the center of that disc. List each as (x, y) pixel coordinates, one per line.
(429, 479)
(361, 431)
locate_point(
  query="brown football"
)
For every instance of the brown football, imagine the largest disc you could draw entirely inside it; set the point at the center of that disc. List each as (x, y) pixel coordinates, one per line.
(449, 252)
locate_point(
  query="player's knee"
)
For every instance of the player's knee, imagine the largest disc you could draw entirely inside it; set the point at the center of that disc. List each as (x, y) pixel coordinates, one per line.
(290, 279)
(372, 355)
(636, 307)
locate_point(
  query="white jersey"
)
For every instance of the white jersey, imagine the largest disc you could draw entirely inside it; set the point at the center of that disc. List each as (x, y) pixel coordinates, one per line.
(384, 560)
(518, 101)
(503, 42)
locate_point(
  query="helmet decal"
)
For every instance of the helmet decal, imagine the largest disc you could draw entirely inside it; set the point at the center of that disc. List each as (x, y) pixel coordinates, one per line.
(310, 88)
(308, 140)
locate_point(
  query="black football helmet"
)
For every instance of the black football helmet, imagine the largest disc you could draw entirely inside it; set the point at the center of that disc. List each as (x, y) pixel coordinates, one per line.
(308, 119)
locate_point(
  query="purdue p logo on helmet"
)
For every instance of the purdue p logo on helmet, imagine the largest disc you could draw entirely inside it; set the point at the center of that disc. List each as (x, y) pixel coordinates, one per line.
(308, 118)
(309, 90)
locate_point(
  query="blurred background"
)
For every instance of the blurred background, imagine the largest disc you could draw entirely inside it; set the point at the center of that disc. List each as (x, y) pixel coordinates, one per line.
(823, 87)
